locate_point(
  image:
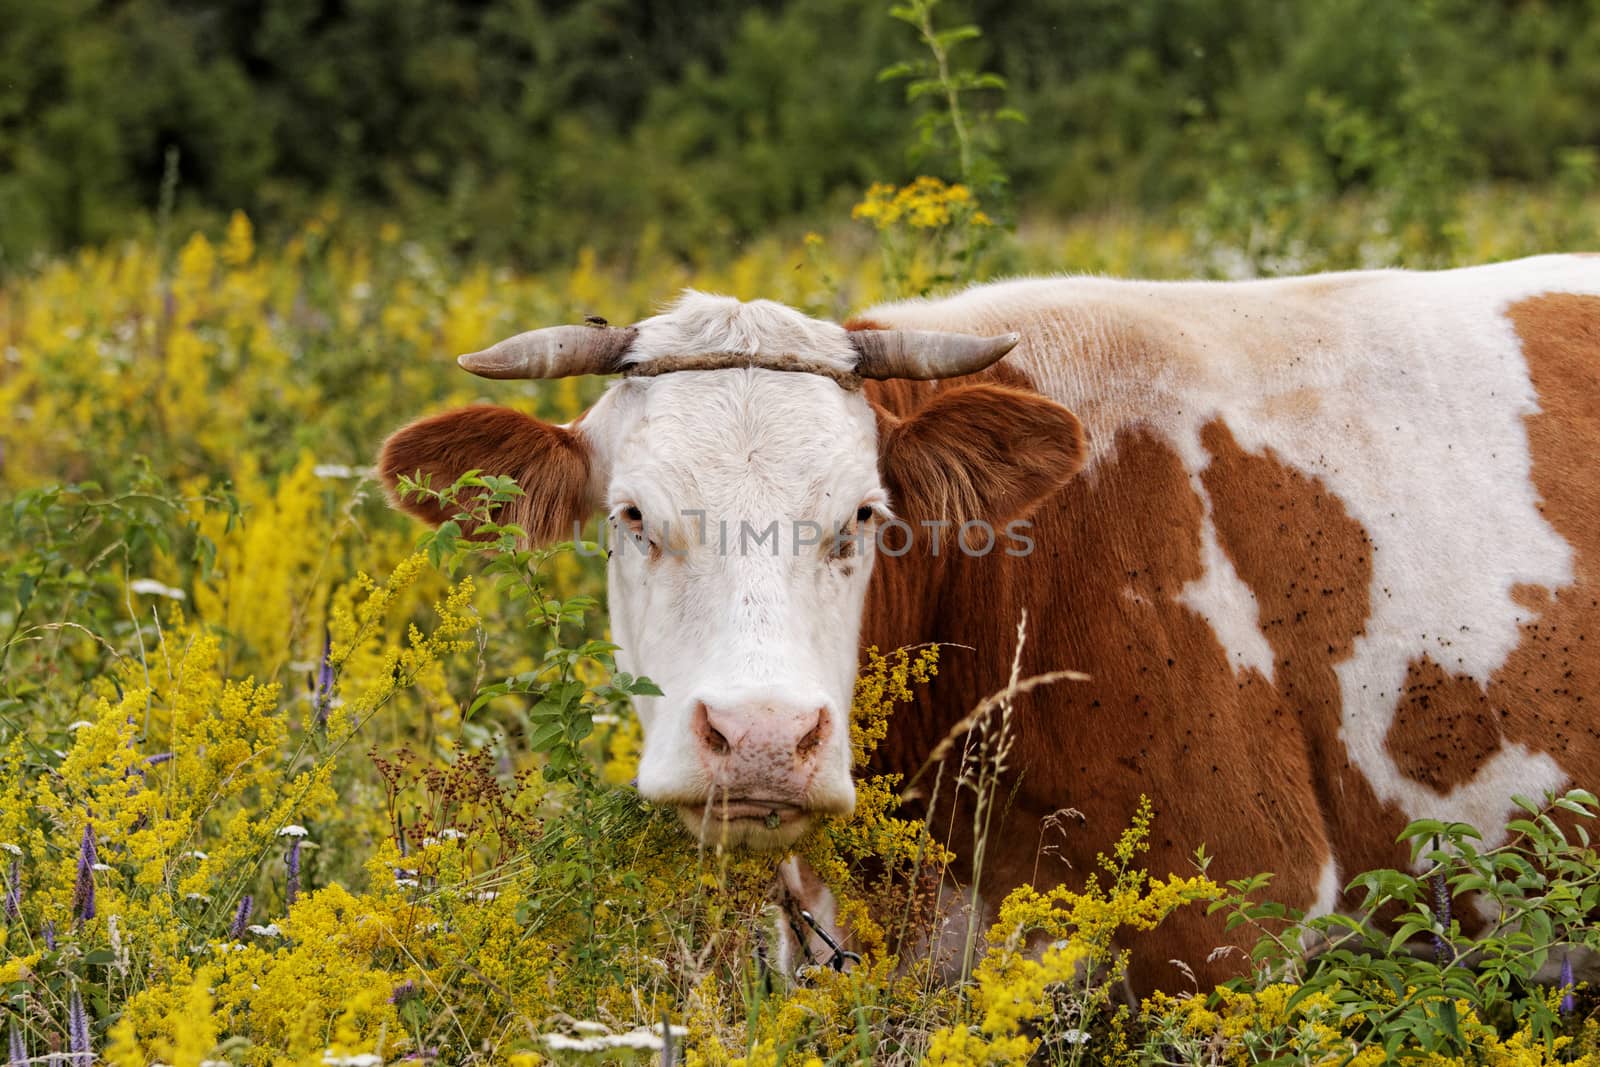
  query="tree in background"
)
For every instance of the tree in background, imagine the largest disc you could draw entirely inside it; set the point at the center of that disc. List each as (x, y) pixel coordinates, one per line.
(529, 129)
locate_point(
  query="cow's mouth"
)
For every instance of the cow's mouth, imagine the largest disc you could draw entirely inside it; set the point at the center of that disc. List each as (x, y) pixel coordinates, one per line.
(770, 813)
(755, 822)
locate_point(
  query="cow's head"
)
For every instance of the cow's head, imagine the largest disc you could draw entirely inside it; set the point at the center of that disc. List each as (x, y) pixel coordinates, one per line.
(745, 473)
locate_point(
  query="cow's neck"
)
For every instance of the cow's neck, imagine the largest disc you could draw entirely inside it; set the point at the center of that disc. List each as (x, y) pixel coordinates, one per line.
(968, 605)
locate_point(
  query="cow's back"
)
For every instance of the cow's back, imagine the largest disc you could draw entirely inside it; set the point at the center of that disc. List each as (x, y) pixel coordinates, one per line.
(1331, 567)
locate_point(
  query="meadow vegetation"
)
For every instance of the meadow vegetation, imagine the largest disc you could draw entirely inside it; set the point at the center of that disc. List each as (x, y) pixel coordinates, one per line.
(284, 779)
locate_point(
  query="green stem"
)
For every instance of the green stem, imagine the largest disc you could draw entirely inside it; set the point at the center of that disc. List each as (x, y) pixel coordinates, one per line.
(952, 97)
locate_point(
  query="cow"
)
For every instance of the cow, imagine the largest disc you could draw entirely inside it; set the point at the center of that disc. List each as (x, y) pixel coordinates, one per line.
(1325, 546)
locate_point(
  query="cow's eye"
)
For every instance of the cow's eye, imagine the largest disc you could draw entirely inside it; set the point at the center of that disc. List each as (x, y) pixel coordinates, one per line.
(847, 542)
(630, 519)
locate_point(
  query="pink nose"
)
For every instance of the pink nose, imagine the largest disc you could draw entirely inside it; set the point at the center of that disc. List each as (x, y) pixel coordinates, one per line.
(763, 749)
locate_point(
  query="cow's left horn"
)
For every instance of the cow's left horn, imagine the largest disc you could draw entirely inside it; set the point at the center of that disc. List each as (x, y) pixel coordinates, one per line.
(926, 354)
(553, 352)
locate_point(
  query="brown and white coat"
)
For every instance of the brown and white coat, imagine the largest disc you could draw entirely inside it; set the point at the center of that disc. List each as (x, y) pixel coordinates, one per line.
(1326, 546)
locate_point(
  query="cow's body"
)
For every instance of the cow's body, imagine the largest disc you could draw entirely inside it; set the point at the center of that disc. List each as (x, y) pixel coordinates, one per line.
(1331, 564)
(1330, 559)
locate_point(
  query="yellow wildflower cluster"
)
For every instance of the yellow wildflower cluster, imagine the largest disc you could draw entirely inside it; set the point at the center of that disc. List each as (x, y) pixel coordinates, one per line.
(874, 833)
(1134, 900)
(1078, 929)
(926, 203)
(1283, 1022)
(1012, 991)
(930, 234)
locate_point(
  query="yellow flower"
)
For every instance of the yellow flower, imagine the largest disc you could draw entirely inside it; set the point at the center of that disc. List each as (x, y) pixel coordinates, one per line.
(17, 967)
(239, 246)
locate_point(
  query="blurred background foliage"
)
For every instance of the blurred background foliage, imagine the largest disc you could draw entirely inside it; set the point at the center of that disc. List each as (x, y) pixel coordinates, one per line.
(523, 131)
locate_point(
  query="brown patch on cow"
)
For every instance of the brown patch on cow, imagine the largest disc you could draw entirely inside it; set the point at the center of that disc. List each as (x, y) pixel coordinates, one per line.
(550, 463)
(1309, 565)
(1246, 767)
(1532, 597)
(1444, 728)
(859, 323)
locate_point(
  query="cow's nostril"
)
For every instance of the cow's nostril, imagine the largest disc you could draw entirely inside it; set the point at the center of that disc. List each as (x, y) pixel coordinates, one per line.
(714, 740)
(813, 737)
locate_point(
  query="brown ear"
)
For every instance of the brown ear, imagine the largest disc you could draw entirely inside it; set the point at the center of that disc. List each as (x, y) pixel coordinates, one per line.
(978, 452)
(551, 463)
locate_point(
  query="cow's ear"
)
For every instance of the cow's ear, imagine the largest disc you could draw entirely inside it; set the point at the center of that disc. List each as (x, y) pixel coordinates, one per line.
(986, 453)
(551, 463)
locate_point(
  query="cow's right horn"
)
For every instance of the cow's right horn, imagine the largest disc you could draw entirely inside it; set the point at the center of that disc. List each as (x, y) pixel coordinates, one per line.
(925, 354)
(553, 352)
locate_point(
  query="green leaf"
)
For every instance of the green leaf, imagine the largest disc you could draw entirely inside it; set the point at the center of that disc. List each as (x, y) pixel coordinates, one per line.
(985, 81)
(1447, 1016)
(955, 35)
(544, 736)
(547, 710)
(1407, 930)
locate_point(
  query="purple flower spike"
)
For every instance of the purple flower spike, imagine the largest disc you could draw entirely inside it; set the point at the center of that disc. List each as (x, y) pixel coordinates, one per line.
(241, 917)
(1569, 997)
(78, 1030)
(1441, 911)
(405, 991)
(83, 893)
(18, 1049)
(49, 933)
(14, 891)
(325, 680)
(158, 759)
(293, 863)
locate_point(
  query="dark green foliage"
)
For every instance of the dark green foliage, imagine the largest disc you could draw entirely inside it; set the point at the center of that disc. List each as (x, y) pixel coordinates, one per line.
(1470, 925)
(529, 128)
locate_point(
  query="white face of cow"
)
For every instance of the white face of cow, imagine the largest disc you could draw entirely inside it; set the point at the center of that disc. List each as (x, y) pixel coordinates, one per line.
(732, 588)
(743, 504)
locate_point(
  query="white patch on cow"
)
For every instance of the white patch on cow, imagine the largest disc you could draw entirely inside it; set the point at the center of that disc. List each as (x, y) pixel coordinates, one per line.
(1326, 901)
(1220, 597)
(698, 323)
(1405, 394)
